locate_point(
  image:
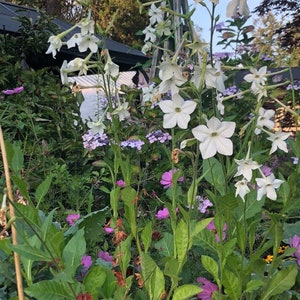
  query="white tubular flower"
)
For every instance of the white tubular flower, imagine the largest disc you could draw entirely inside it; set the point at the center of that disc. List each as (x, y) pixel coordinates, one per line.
(245, 167)
(177, 111)
(122, 111)
(258, 78)
(264, 119)
(97, 127)
(77, 64)
(156, 14)
(88, 41)
(267, 186)
(163, 28)
(74, 40)
(149, 34)
(64, 73)
(55, 44)
(87, 26)
(242, 188)
(237, 6)
(149, 92)
(220, 105)
(111, 69)
(278, 141)
(214, 77)
(147, 47)
(215, 137)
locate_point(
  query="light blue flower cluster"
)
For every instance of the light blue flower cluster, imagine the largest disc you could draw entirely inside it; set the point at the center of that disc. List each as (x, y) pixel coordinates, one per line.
(91, 141)
(131, 143)
(158, 136)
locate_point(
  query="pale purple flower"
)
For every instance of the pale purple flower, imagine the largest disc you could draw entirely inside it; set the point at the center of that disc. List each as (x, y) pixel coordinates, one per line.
(16, 90)
(207, 289)
(108, 230)
(86, 262)
(121, 183)
(266, 170)
(295, 160)
(166, 178)
(92, 141)
(131, 143)
(204, 204)
(158, 136)
(211, 226)
(72, 218)
(219, 26)
(163, 214)
(295, 243)
(104, 255)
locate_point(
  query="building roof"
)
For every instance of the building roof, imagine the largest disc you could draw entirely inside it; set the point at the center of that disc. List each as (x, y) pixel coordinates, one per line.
(125, 56)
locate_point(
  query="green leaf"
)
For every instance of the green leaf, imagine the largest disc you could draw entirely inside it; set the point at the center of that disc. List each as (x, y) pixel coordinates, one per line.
(31, 253)
(232, 285)
(50, 290)
(199, 226)
(211, 266)
(182, 241)
(22, 186)
(42, 190)
(282, 281)
(72, 255)
(17, 159)
(186, 291)
(165, 246)
(94, 280)
(254, 285)
(146, 236)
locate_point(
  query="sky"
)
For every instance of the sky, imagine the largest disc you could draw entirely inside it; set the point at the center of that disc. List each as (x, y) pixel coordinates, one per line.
(201, 17)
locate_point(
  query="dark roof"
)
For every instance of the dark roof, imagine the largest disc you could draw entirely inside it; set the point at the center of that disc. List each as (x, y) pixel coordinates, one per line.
(123, 55)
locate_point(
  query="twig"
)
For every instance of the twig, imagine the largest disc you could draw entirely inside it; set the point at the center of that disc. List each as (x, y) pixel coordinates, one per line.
(12, 215)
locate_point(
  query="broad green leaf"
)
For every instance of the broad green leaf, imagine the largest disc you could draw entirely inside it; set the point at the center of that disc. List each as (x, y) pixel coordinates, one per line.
(182, 241)
(31, 253)
(146, 236)
(42, 190)
(22, 187)
(282, 281)
(17, 159)
(165, 246)
(50, 290)
(186, 291)
(211, 266)
(125, 254)
(157, 284)
(254, 285)
(171, 268)
(231, 284)
(94, 280)
(72, 255)
(199, 226)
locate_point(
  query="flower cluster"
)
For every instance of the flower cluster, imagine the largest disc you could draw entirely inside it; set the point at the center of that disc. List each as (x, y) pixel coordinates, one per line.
(158, 136)
(92, 141)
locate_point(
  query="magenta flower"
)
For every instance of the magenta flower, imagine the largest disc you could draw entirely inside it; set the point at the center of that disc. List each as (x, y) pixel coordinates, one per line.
(72, 218)
(207, 289)
(121, 183)
(104, 255)
(295, 243)
(16, 90)
(86, 262)
(166, 178)
(211, 226)
(163, 214)
(108, 230)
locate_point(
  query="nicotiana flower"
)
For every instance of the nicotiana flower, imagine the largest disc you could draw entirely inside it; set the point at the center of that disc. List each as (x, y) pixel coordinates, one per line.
(167, 177)
(295, 243)
(88, 41)
(208, 288)
(177, 111)
(264, 119)
(242, 188)
(72, 218)
(163, 28)
(87, 26)
(267, 186)
(156, 14)
(55, 44)
(74, 40)
(245, 167)
(215, 137)
(97, 127)
(122, 111)
(163, 214)
(149, 34)
(220, 105)
(237, 6)
(215, 77)
(278, 141)
(110, 68)
(257, 77)
(211, 226)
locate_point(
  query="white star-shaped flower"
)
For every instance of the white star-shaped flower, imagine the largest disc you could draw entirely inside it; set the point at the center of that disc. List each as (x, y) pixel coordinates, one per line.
(214, 77)
(237, 6)
(88, 41)
(111, 69)
(156, 14)
(87, 26)
(64, 72)
(257, 77)
(97, 127)
(278, 141)
(149, 33)
(264, 119)
(177, 111)
(242, 188)
(77, 64)
(122, 111)
(245, 167)
(267, 186)
(74, 40)
(55, 45)
(215, 137)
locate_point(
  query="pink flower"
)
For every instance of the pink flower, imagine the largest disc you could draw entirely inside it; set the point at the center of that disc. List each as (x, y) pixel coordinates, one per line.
(207, 289)
(166, 178)
(295, 243)
(72, 218)
(163, 214)
(86, 262)
(121, 183)
(16, 90)
(211, 226)
(108, 230)
(266, 170)
(104, 255)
